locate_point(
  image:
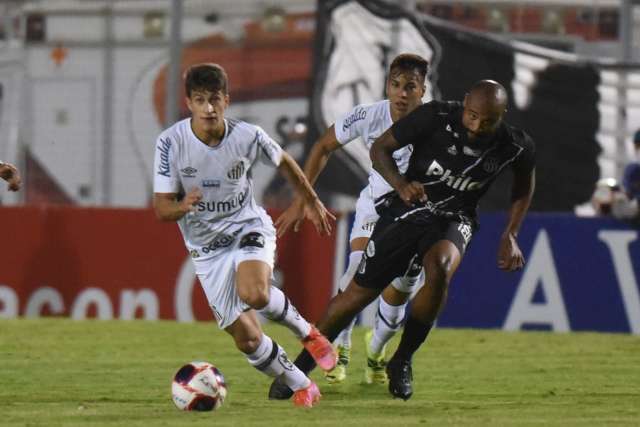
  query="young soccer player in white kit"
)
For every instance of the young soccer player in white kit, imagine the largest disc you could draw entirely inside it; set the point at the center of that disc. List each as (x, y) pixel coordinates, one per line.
(203, 181)
(405, 88)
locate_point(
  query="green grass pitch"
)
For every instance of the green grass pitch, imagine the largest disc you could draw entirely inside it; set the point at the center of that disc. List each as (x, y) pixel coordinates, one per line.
(57, 372)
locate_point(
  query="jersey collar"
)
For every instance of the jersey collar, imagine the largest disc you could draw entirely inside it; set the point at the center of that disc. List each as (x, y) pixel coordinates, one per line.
(222, 140)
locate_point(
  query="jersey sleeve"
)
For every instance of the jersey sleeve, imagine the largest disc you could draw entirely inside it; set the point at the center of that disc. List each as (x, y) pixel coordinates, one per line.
(351, 125)
(165, 166)
(526, 161)
(416, 126)
(269, 151)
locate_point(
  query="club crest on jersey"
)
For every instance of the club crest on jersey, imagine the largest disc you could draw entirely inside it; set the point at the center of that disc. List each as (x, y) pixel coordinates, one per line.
(211, 183)
(189, 172)
(460, 183)
(236, 171)
(452, 150)
(490, 164)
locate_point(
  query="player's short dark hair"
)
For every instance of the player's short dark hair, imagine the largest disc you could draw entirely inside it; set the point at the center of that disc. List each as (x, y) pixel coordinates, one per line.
(206, 77)
(409, 62)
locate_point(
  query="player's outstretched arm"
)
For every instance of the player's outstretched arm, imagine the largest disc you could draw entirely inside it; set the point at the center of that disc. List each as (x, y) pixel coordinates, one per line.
(320, 153)
(510, 256)
(10, 173)
(382, 159)
(168, 208)
(314, 208)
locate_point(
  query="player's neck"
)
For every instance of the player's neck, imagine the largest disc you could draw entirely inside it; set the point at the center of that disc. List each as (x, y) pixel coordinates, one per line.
(396, 115)
(208, 137)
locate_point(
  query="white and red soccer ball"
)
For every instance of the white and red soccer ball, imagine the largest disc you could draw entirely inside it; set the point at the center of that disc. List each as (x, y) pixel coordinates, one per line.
(198, 386)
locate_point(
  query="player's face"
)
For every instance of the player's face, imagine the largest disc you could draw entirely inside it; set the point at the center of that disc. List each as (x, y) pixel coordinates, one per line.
(405, 91)
(207, 109)
(480, 118)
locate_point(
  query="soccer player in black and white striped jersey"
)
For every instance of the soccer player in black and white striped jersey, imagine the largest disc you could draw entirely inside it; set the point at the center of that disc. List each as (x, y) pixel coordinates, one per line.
(459, 149)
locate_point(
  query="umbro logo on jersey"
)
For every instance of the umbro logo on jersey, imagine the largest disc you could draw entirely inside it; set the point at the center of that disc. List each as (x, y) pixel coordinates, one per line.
(189, 172)
(164, 168)
(460, 183)
(215, 183)
(236, 171)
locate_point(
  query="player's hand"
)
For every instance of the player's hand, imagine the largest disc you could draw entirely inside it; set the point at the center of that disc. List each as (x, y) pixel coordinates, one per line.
(10, 173)
(412, 192)
(319, 216)
(510, 256)
(293, 216)
(190, 200)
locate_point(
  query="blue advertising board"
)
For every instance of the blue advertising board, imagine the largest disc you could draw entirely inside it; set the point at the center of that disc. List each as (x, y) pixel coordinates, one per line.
(581, 274)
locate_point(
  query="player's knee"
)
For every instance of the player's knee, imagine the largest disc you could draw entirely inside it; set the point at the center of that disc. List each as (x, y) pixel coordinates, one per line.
(256, 295)
(440, 267)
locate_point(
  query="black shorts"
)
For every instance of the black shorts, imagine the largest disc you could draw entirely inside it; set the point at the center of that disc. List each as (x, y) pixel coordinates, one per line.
(394, 244)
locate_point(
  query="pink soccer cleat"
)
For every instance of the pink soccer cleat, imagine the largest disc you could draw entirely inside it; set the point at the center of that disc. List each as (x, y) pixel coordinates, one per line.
(320, 349)
(307, 397)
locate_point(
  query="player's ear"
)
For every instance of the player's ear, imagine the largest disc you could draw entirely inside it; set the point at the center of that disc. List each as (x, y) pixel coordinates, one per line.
(464, 102)
(227, 100)
(187, 100)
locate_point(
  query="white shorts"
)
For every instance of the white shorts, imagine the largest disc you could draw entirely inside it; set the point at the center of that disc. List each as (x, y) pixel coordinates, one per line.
(217, 274)
(366, 216)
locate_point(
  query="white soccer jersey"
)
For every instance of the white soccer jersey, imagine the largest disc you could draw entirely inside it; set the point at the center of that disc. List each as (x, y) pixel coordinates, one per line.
(369, 121)
(222, 173)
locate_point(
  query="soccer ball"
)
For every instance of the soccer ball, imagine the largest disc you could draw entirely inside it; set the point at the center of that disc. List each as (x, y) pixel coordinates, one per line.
(198, 386)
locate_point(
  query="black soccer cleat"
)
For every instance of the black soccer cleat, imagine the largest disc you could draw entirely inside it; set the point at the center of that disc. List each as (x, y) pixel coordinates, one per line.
(400, 377)
(279, 390)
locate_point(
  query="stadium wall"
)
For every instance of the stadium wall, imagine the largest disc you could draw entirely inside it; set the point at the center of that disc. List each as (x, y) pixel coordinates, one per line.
(581, 275)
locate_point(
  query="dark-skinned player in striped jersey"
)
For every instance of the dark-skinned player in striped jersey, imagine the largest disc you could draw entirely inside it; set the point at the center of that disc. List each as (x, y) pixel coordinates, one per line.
(459, 150)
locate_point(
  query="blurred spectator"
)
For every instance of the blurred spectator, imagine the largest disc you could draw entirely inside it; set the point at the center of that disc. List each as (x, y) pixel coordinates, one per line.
(636, 144)
(627, 205)
(10, 173)
(607, 190)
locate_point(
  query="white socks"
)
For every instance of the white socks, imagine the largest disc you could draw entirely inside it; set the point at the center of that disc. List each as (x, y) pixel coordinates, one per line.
(271, 359)
(280, 310)
(344, 338)
(388, 320)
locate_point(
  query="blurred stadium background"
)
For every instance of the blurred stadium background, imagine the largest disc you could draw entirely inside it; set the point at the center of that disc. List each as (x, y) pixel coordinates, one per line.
(87, 85)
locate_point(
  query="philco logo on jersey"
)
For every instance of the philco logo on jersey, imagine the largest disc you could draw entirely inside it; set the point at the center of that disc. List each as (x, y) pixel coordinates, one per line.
(460, 183)
(236, 171)
(189, 172)
(223, 205)
(357, 116)
(164, 169)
